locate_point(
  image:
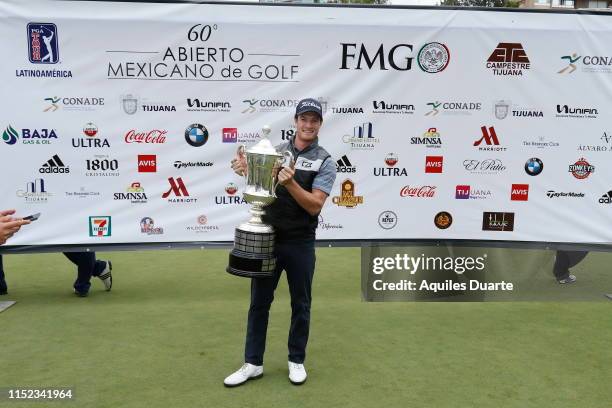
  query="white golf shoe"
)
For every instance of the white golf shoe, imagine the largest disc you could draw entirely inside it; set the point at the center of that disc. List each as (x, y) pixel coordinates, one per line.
(297, 373)
(245, 373)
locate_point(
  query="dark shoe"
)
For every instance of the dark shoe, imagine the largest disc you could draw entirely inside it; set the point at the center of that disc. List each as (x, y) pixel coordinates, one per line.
(81, 294)
(3, 288)
(106, 276)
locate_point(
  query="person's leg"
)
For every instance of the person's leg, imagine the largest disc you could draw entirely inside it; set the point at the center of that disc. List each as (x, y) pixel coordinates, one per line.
(3, 287)
(300, 267)
(565, 260)
(86, 263)
(262, 295)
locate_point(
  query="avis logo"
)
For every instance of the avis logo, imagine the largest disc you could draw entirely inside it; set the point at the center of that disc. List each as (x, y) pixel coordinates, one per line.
(489, 137)
(179, 190)
(519, 192)
(147, 163)
(433, 164)
(42, 43)
(100, 226)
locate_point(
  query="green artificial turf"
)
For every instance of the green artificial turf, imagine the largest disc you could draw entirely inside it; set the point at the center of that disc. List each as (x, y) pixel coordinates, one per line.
(173, 327)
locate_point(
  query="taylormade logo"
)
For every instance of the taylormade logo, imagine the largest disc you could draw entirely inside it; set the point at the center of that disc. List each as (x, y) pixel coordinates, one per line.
(427, 263)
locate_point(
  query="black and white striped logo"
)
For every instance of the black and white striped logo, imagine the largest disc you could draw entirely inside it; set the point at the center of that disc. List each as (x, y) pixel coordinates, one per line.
(54, 165)
(343, 165)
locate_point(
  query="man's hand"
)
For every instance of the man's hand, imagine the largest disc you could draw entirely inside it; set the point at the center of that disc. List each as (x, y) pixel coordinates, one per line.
(286, 175)
(9, 225)
(239, 164)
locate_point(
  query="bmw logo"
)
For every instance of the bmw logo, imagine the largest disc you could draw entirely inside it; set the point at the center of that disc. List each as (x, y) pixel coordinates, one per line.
(534, 166)
(196, 135)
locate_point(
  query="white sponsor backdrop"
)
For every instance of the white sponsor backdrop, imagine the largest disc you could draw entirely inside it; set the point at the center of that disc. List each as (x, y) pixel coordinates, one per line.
(109, 59)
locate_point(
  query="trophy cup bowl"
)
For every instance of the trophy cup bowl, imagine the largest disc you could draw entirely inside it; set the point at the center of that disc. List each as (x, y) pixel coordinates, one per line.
(253, 252)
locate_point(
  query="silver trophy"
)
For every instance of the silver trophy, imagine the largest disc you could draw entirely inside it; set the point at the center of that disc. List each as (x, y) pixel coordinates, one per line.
(253, 253)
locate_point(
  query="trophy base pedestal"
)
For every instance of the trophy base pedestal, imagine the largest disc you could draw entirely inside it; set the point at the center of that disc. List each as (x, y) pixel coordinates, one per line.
(253, 254)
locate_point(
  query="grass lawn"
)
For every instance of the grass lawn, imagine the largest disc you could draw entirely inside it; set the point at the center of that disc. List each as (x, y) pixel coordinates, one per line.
(173, 327)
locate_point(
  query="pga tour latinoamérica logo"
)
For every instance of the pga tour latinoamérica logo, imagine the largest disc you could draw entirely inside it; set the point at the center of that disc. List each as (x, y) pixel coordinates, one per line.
(43, 43)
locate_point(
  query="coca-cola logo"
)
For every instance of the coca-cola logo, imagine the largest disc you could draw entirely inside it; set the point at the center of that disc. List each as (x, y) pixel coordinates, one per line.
(423, 191)
(152, 136)
(486, 165)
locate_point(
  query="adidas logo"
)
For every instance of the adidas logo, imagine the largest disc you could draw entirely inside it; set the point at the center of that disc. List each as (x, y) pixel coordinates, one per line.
(343, 165)
(606, 198)
(54, 165)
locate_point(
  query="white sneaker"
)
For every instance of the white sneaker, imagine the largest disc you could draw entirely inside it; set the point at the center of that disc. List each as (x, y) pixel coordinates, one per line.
(245, 373)
(106, 276)
(297, 373)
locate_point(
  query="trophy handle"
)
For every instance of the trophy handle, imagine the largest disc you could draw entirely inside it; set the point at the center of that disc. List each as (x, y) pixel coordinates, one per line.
(285, 160)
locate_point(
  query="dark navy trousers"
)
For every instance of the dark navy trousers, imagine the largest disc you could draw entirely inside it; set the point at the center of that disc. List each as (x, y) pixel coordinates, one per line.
(298, 261)
(566, 260)
(87, 266)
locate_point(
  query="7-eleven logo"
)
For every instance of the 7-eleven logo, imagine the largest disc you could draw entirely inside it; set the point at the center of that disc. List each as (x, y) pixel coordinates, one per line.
(100, 226)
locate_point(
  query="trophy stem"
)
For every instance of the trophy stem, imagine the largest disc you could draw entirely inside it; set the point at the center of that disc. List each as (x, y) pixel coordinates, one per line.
(257, 212)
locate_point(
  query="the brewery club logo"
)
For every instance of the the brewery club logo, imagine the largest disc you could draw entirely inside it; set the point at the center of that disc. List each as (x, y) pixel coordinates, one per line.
(563, 194)
(466, 192)
(178, 193)
(508, 59)
(362, 137)
(489, 140)
(135, 193)
(147, 227)
(484, 166)
(606, 138)
(606, 198)
(207, 105)
(232, 135)
(347, 196)
(388, 107)
(91, 139)
(154, 136)
(72, 103)
(541, 143)
(519, 192)
(418, 191)
(54, 165)
(434, 164)
(147, 163)
(344, 165)
(452, 108)
(202, 225)
(534, 166)
(581, 169)
(587, 63)
(231, 196)
(497, 221)
(390, 169)
(431, 138)
(387, 220)
(504, 108)
(432, 57)
(565, 111)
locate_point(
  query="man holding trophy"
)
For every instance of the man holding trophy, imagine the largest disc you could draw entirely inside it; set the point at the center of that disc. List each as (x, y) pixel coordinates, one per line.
(303, 187)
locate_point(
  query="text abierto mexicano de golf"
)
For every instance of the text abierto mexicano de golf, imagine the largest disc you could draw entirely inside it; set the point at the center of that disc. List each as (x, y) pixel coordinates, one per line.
(422, 264)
